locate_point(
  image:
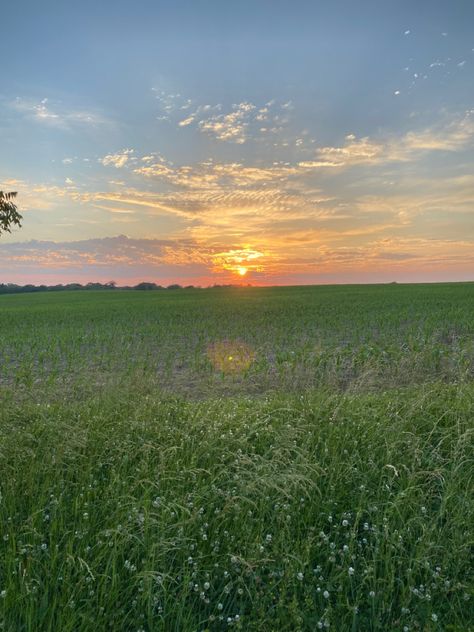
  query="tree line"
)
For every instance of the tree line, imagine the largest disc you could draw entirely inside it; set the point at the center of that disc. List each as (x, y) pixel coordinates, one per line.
(13, 288)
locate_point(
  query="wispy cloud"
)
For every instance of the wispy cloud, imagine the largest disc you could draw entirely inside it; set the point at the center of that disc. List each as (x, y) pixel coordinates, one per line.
(450, 135)
(56, 114)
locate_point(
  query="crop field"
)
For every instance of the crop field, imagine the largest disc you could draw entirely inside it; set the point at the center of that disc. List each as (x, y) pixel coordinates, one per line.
(254, 459)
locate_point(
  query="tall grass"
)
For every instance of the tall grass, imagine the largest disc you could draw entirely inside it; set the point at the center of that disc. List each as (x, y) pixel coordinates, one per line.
(285, 513)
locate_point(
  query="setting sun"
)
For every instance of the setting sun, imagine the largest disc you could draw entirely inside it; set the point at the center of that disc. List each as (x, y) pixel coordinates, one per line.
(242, 271)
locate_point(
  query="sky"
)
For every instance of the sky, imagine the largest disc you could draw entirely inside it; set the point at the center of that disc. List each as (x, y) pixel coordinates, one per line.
(261, 141)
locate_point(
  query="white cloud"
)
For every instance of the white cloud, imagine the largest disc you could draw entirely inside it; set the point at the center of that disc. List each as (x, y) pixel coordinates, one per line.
(241, 123)
(118, 160)
(187, 121)
(229, 127)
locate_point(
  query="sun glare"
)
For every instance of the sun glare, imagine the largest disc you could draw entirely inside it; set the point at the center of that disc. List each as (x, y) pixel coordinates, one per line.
(240, 262)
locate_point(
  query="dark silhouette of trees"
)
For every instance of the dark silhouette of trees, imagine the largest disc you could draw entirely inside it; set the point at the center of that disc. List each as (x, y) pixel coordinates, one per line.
(9, 215)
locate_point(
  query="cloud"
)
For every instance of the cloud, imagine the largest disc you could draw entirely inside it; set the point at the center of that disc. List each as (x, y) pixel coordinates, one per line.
(118, 160)
(451, 136)
(229, 127)
(212, 174)
(238, 261)
(186, 121)
(56, 114)
(96, 252)
(238, 125)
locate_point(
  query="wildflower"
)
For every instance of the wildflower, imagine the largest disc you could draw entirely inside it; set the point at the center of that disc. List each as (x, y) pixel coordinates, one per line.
(326, 594)
(371, 594)
(220, 606)
(268, 537)
(345, 523)
(351, 570)
(3, 594)
(300, 576)
(434, 617)
(207, 585)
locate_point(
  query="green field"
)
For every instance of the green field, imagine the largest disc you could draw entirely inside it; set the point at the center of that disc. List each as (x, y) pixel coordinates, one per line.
(275, 460)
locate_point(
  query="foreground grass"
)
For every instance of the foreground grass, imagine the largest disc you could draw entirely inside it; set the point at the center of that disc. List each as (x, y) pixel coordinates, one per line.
(342, 512)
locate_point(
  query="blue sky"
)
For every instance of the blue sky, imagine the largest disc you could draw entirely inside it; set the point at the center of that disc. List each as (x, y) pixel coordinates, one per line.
(204, 141)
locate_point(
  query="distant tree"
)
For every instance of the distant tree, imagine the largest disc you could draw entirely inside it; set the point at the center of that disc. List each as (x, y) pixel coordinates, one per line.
(9, 215)
(145, 285)
(174, 286)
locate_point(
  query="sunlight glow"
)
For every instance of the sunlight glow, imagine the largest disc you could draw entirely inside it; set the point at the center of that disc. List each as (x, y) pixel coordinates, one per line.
(240, 261)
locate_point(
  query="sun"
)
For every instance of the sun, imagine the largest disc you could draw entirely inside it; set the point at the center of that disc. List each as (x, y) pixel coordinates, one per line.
(242, 271)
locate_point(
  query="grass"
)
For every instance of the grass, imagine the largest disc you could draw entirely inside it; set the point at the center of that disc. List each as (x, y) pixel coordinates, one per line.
(304, 490)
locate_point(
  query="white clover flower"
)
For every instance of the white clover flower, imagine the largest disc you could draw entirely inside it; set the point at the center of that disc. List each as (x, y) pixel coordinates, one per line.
(371, 594)
(345, 523)
(326, 594)
(207, 585)
(268, 537)
(300, 576)
(220, 606)
(434, 617)
(351, 571)
(3, 594)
